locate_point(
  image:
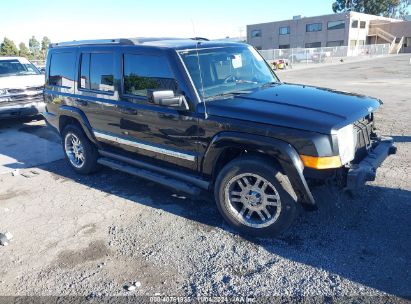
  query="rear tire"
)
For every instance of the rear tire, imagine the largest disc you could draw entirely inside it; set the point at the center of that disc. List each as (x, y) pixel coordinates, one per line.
(79, 151)
(254, 197)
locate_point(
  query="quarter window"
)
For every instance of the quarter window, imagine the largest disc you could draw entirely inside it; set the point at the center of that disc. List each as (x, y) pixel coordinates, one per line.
(284, 30)
(336, 25)
(62, 69)
(143, 73)
(97, 71)
(314, 27)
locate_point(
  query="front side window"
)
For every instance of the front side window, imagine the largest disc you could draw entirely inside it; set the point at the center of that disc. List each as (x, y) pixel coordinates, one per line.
(143, 73)
(17, 67)
(228, 70)
(284, 30)
(336, 25)
(96, 72)
(62, 69)
(255, 33)
(314, 27)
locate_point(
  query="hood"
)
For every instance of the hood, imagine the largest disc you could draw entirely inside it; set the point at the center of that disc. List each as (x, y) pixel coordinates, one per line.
(296, 106)
(21, 81)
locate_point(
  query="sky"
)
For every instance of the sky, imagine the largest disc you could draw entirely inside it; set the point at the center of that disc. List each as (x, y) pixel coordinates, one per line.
(91, 19)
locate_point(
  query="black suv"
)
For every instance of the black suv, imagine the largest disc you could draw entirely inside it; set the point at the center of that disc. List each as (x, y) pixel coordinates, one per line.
(193, 114)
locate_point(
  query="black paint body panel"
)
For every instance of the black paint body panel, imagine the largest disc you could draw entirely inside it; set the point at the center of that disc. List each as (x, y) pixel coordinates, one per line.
(282, 120)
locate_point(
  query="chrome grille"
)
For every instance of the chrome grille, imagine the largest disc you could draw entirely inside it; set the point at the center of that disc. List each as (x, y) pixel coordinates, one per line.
(23, 95)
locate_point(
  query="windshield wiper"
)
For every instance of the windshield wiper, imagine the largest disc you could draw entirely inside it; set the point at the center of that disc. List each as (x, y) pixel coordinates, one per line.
(226, 95)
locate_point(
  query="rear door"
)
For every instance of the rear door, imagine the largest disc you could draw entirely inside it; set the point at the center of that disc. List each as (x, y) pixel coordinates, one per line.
(97, 88)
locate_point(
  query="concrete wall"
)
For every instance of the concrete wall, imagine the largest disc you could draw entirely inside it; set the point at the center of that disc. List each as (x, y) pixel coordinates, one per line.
(399, 30)
(359, 34)
(299, 37)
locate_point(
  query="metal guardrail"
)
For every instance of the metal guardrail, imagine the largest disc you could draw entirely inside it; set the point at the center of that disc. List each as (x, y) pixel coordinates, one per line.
(324, 54)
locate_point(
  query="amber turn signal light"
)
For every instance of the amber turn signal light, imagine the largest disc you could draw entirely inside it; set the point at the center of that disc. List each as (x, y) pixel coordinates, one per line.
(314, 162)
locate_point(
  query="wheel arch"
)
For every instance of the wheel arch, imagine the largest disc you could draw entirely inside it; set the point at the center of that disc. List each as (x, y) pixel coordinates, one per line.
(71, 115)
(227, 146)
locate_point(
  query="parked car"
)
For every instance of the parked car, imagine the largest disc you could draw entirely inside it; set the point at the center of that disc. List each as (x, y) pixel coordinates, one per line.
(21, 88)
(209, 115)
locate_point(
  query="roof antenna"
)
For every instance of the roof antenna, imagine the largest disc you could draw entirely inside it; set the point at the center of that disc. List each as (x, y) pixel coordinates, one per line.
(201, 73)
(201, 80)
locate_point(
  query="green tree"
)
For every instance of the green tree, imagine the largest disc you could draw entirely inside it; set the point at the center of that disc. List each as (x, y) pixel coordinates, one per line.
(44, 46)
(8, 48)
(388, 8)
(34, 46)
(24, 51)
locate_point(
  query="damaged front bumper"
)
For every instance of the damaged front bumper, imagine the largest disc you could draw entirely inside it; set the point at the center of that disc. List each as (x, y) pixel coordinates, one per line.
(365, 170)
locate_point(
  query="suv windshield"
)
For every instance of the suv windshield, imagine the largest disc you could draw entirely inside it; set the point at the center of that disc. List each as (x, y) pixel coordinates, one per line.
(13, 67)
(227, 70)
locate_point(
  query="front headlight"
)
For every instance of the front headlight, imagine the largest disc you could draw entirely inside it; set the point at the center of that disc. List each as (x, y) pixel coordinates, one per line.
(347, 142)
(3, 92)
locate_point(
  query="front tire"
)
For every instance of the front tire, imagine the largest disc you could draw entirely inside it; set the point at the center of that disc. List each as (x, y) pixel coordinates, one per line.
(254, 197)
(79, 152)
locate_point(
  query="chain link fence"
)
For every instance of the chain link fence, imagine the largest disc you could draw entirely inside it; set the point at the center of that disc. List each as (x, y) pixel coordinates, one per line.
(299, 56)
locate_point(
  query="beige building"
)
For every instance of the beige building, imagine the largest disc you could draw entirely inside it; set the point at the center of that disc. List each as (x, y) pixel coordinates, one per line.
(345, 29)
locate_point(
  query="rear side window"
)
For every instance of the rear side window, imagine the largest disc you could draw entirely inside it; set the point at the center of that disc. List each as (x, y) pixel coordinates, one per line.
(62, 66)
(96, 72)
(143, 72)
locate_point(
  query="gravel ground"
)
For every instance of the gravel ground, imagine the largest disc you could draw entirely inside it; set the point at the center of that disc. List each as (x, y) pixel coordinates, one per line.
(92, 236)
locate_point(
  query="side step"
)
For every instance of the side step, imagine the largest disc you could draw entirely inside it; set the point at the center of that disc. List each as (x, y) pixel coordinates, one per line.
(158, 178)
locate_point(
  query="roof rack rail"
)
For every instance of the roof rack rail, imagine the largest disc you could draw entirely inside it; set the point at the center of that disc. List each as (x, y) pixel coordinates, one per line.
(120, 41)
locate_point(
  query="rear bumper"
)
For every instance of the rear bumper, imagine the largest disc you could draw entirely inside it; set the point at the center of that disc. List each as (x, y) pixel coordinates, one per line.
(21, 109)
(365, 171)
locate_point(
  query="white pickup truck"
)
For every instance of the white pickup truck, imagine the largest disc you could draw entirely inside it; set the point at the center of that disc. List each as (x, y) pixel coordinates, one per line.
(21, 88)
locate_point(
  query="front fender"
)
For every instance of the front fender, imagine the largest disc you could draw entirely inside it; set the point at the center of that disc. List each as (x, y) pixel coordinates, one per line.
(282, 151)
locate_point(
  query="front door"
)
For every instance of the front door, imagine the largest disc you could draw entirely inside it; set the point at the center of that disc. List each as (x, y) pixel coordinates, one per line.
(157, 132)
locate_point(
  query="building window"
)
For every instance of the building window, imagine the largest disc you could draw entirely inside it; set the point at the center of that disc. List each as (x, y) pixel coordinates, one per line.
(362, 24)
(284, 30)
(354, 24)
(335, 43)
(353, 43)
(407, 42)
(313, 45)
(314, 27)
(255, 33)
(142, 73)
(284, 46)
(62, 69)
(336, 25)
(361, 42)
(96, 72)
